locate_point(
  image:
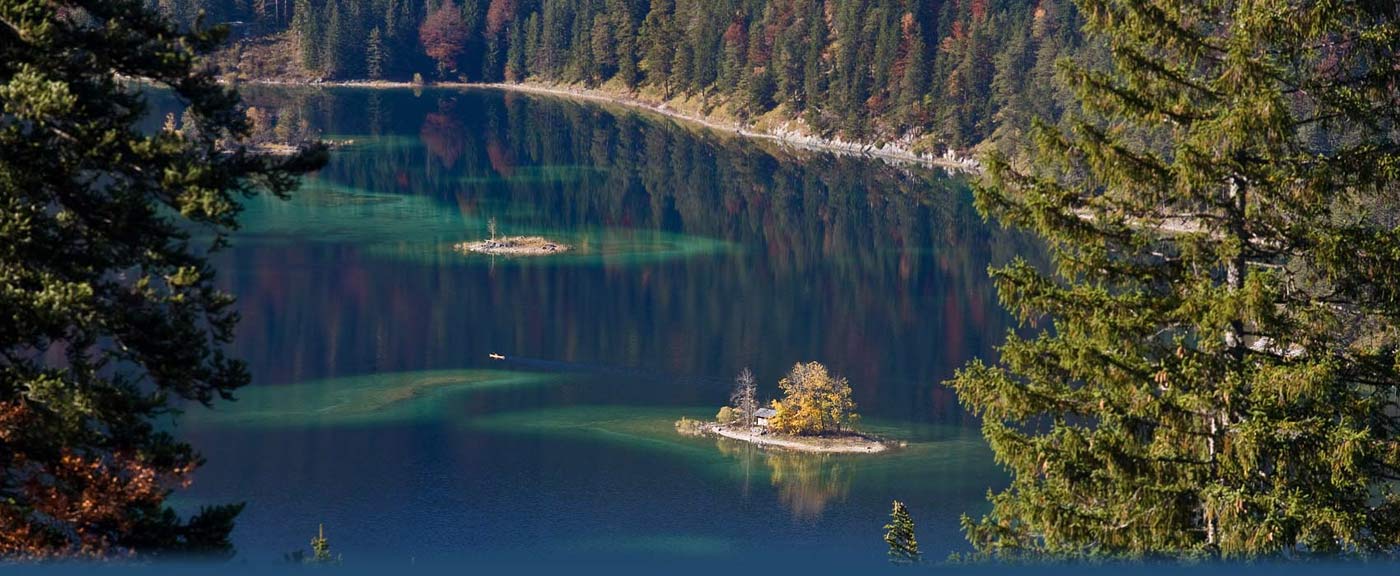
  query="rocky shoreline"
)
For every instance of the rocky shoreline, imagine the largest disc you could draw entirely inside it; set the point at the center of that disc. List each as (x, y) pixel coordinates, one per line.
(896, 151)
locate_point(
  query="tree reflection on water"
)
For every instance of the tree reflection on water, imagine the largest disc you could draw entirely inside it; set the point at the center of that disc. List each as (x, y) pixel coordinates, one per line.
(806, 483)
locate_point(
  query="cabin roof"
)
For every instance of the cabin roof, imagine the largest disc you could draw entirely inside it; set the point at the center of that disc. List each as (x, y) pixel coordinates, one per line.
(765, 413)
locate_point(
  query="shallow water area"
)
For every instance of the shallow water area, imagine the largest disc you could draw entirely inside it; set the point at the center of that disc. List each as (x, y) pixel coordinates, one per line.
(416, 228)
(361, 400)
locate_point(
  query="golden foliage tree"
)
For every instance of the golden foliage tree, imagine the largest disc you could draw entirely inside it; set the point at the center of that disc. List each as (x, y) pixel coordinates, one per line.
(814, 402)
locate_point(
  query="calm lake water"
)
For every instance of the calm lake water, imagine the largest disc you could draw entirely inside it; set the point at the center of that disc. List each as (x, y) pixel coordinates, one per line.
(376, 411)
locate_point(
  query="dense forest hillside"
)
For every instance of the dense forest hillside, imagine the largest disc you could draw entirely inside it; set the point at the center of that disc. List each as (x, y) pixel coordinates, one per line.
(937, 73)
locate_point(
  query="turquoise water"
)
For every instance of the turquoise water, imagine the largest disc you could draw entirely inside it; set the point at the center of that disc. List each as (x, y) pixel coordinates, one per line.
(377, 411)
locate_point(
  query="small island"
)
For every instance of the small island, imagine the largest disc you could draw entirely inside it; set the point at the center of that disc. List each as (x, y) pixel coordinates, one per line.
(816, 414)
(511, 245)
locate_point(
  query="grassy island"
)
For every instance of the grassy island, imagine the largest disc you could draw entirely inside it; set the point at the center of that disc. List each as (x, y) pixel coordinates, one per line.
(815, 414)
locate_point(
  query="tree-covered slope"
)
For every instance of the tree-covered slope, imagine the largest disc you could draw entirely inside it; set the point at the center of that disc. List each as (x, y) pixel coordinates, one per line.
(946, 72)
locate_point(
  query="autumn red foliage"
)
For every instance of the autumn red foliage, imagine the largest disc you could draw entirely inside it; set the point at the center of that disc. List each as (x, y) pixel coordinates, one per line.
(498, 15)
(979, 10)
(735, 34)
(444, 36)
(93, 497)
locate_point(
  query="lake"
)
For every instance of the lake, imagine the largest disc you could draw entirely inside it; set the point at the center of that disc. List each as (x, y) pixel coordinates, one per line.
(376, 411)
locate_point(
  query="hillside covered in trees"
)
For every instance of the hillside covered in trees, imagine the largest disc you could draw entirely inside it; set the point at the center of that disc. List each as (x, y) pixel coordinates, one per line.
(939, 72)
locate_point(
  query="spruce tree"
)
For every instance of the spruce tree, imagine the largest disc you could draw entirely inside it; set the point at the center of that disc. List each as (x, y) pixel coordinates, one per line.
(899, 535)
(112, 316)
(1214, 372)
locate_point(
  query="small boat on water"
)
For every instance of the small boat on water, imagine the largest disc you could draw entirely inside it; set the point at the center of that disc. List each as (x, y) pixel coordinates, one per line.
(495, 356)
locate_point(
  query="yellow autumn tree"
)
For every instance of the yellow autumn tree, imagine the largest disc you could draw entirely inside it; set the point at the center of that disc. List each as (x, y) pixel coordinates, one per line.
(814, 402)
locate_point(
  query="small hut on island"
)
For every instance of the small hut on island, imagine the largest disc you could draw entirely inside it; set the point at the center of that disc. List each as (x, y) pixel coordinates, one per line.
(761, 416)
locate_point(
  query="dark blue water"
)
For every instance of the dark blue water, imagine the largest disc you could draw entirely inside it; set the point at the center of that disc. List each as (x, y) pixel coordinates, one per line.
(376, 411)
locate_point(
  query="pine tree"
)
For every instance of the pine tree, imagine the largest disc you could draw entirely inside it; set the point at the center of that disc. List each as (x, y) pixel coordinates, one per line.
(113, 318)
(306, 24)
(474, 22)
(814, 77)
(374, 55)
(515, 53)
(848, 87)
(1215, 370)
(334, 41)
(735, 52)
(625, 45)
(899, 535)
(321, 548)
(660, 39)
(604, 48)
(914, 79)
(500, 49)
(494, 64)
(583, 66)
(553, 41)
(1010, 83)
(683, 76)
(532, 44)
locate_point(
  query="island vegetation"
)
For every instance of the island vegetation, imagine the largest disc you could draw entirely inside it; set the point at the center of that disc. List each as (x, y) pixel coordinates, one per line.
(815, 414)
(511, 245)
(320, 551)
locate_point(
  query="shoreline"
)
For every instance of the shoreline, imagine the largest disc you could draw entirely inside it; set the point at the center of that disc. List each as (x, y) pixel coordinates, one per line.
(886, 152)
(855, 444)
(892, 153)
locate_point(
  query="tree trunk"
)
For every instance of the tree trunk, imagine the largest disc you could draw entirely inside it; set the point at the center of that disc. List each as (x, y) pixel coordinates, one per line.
(1234, 336)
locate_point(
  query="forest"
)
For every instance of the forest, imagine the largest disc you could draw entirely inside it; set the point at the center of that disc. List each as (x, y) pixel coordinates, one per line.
(1198, 257)
(942, 73)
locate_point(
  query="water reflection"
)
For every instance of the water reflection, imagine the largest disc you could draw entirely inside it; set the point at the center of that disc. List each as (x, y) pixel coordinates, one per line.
(442, 135)
(879, 271)
(806, 483)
